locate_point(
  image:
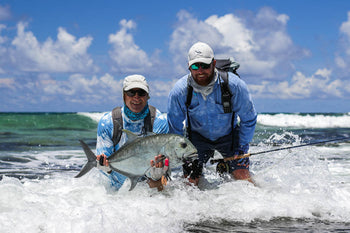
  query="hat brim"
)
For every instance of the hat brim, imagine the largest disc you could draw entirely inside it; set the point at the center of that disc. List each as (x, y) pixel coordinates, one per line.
(136, 85)
(200, 60)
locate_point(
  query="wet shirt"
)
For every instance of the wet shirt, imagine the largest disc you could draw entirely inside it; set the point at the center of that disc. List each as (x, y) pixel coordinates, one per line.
(207, 115)
(104, 143)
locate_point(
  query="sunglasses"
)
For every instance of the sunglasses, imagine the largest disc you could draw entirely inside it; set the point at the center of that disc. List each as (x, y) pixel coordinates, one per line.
(196, 66)
(132, 93)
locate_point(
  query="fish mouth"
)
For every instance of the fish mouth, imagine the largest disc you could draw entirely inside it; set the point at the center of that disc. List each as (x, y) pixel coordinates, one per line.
(191, 155)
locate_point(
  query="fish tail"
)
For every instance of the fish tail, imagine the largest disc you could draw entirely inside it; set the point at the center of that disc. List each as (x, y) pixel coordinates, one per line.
(91, 160)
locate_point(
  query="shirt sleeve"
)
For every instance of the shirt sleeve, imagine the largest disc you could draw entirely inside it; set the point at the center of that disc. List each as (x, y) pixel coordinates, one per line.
(244, 108)
(160, 124)
(176, 107)
(104, 143)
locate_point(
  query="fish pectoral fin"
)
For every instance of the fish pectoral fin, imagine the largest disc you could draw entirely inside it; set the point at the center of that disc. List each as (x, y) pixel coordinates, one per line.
(132, 177)
(162, 150)
(134, 182)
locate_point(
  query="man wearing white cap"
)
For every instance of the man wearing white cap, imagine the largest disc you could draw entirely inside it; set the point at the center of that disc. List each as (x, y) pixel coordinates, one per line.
(208, 125)
(136, 117)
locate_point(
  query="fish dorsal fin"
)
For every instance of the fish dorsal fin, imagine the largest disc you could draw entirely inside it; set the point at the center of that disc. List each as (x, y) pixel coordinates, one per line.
(131, 136)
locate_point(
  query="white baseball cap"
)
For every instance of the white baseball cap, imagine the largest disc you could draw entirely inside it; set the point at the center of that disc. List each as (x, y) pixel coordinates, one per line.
(135, 81)
(200, 52)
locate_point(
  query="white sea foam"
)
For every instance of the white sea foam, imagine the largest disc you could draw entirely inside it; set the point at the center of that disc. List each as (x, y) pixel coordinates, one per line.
(305, 121)
(96, 116)
(303, 183)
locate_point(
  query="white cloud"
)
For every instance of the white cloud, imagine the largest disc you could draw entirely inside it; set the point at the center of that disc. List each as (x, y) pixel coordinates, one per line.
(126, 55)
(345, 27)
(66, 54)
(260, 44)
(319, 85)
(84, 89)
(77, 89)
(342, 58)
(161, 88)
(235, 35)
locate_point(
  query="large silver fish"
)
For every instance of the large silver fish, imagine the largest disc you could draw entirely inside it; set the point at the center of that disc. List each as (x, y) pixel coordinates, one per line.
(133, 158)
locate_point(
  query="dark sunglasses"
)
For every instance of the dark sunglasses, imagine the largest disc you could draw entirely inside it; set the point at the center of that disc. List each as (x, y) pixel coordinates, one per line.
(132, 93)
(196, 66)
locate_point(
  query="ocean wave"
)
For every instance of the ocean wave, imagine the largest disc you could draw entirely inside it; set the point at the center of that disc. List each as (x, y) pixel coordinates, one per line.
(96, 116)
(305, 120)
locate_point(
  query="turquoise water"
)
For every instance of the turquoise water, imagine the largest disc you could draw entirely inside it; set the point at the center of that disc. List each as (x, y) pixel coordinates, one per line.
(302, 189)
(42, 131)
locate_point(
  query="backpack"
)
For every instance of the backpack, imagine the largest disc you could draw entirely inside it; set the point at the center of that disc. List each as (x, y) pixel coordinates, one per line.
(228, 65)
(118, 123)
(223, 66)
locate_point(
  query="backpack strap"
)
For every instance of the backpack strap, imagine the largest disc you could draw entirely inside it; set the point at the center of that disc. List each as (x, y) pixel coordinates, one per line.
(118, 123)
(225, 92)
(226, 96)
(188, 103)
(149, 120)
(189, 92)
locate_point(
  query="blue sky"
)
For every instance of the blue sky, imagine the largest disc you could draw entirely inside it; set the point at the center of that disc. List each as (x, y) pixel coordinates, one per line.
(73, 55)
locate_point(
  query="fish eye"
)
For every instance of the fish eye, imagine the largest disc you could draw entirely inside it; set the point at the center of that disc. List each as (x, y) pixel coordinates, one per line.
(183, 144)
